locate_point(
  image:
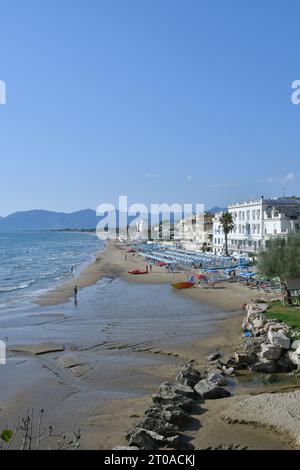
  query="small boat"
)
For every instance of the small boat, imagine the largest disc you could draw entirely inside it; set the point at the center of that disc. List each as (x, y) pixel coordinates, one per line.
(183, 285)
(137, 271)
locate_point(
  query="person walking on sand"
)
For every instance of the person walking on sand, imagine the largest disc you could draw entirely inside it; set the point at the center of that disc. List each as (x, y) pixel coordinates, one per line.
(72, 270)
(75, 292)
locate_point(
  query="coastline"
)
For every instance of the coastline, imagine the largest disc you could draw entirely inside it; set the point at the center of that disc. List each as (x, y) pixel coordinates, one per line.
(110, 419)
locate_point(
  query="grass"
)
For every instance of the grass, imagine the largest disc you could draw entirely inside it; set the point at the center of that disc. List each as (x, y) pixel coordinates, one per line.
(287, 314)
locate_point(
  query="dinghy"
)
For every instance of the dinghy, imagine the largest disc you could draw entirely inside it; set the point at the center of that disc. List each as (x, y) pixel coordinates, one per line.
(183, 285)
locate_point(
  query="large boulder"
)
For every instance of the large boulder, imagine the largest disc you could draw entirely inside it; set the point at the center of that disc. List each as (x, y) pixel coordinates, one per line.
(295, 357)
(171, 415)
(217, 378)
(189, 375)
(148, 440)
(278, 338)
(245, 358)
(174, 400)
(159, 426)
(295, 344)
(211, 391)
(167, 389)
(264, 366)
(270, 352)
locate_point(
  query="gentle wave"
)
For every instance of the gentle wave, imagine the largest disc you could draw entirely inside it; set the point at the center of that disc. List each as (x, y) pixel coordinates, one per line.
(17, 287)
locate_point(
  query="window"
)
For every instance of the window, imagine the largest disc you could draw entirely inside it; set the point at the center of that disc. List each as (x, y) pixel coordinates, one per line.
(258, 228)
(248, 215)
(253, 214)
(258, 214)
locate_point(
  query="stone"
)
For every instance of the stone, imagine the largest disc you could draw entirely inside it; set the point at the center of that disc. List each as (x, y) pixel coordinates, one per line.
(284, 363)
(174, 400)
(209, 390)
(259, 323)
(172, 415)
(245, 358)
(125, 448)
(189, 375)
(270, 352)
(213, 356)
(159, 426)
(279, 339)
(217, 378)
(143, 440)
(264, 366)
(170, 388)
(149, 440)
(295, 357)
(295, 344)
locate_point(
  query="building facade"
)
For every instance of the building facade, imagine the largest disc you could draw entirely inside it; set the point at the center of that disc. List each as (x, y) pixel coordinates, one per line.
(255, 222)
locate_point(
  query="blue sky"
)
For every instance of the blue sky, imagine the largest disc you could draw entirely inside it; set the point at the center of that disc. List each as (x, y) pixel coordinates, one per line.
(162, 100)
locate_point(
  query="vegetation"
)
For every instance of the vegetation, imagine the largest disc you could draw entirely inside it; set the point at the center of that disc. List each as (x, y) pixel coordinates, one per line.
(30, 433)
(226, 220)
(281, 258)
(288, 315)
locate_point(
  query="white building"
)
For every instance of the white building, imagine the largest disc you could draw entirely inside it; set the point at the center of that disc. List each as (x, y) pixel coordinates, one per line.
(195, 232)
(256, 222)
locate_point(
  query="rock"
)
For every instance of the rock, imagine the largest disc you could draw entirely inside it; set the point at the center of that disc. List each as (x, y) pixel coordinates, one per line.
(217, 378)
(259, 323)
(213, 356)
(295, 357)
(284, 363)
(143, 440)
(125, 448)
(170, 388)
(247, 358)
(174, 400)
(159, 426)
(149, 440)
(172, 415)
(189, 375)
(279, 339)
(295, 344)
(270, 352)
(264, 366)
(209, 390)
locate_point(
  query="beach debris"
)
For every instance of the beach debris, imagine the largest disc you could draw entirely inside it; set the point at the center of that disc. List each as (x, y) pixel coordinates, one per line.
(37, 349)
(208, 390)
(189, 375)
(214, 356)
(228, 370)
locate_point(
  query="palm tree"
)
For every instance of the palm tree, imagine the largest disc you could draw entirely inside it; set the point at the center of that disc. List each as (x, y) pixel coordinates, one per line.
(226, 220)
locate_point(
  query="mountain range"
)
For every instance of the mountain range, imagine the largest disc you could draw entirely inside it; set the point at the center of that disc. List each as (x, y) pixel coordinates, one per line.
(48, 220)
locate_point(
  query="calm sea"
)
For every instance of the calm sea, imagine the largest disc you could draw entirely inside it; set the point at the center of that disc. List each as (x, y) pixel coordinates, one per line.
(31, 262)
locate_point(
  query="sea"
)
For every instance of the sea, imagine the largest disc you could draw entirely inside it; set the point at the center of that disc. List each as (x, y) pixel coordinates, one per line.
(33, 262)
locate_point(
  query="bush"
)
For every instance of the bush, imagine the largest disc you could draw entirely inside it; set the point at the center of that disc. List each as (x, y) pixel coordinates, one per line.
(281, 257)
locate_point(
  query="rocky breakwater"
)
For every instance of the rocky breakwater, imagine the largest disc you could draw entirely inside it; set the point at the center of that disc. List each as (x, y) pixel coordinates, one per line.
(268, 345)
(172, 408)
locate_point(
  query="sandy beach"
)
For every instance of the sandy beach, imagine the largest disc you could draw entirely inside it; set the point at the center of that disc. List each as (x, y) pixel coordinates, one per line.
(71, 360)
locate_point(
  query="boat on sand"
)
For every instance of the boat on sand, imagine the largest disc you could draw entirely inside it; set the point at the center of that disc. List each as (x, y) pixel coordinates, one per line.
(183, 285)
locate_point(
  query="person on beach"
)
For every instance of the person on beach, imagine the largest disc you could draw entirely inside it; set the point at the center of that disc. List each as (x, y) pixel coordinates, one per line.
(75, 292)
(72, 270)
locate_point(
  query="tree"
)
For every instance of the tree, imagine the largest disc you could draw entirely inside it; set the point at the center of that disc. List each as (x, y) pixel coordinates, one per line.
(281, 257)
(226, 220)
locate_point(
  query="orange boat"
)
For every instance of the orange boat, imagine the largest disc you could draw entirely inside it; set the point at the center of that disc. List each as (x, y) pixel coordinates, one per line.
(183, 285)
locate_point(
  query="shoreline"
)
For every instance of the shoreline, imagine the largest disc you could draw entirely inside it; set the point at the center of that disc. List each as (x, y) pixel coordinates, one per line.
(117, 416)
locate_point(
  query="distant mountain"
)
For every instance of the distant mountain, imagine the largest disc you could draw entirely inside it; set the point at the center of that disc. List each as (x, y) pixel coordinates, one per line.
(47, 220)
(215, 210)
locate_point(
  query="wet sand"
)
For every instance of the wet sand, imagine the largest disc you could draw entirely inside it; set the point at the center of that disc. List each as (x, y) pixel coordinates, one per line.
(103, 383)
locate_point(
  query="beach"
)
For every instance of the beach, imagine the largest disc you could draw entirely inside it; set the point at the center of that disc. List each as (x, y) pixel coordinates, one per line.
(94, 363)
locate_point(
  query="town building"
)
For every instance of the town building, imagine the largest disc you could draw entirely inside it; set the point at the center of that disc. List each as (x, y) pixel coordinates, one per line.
(256, 222)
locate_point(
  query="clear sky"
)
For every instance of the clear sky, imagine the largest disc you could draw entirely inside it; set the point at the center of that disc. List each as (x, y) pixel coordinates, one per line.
(162, 100)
